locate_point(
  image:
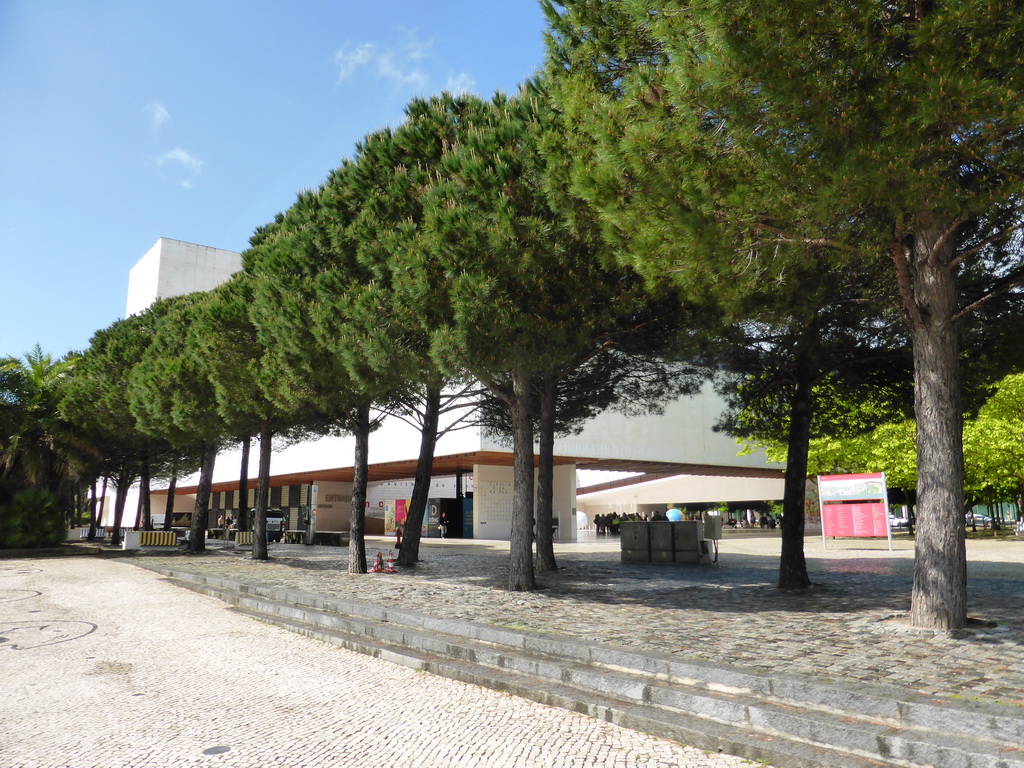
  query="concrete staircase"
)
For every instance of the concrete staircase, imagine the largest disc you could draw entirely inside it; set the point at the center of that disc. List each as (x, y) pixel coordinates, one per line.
(784, 721)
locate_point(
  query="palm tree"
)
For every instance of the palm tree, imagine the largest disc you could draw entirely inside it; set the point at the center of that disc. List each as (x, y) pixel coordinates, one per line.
(37, 447)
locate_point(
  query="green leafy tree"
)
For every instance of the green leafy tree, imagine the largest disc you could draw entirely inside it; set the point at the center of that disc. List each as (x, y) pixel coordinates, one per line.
(490, 262)
(871, 431)
(171, 394)
(246, 392)
(777, 372)
(528, 296)
(994, 444)
(97, 400)
(635, 371)
(875, 133)
(39, 448)
(301, 313)
(656, 180)
(42, 455)
(31, 518)
(388, 174)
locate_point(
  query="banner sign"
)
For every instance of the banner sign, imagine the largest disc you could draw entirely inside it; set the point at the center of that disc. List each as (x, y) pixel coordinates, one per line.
(854, 506)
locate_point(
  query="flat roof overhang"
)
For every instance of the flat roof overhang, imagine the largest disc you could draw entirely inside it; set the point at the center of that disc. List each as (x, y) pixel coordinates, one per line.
(445, 466)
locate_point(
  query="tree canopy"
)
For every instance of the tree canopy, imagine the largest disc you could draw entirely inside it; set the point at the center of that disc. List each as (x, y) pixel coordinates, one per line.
(886, 134)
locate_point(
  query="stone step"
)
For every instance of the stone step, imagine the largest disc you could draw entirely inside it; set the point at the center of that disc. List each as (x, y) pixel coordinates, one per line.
(784, 721)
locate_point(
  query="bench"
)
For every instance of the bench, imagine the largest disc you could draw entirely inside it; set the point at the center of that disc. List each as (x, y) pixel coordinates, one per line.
(243, 539)
(294, 537)
(149, 540)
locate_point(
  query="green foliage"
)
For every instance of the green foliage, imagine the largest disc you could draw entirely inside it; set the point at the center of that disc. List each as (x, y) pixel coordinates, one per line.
(31, 518)
(305, 279)
(993, 444)
(39, 448)
(96, 397)
(245, 383)
(748, 150)
(168, 386)
(726, 140)
(850, 399)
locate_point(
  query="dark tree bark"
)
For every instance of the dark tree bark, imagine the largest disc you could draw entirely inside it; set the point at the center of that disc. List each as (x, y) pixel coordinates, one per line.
(360, 422)
(520, 572)
(242, 524)
(259, 536)
(410, 552)
(546, 474)
(197, 533)
(145, 505)
(81, 501)
(169, 508)
(121, 485)
(792, 563)
(96, 511)
(939, 597)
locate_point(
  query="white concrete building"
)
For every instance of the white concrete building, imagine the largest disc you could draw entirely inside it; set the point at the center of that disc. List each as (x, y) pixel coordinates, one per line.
(677, 454)
(174, 268)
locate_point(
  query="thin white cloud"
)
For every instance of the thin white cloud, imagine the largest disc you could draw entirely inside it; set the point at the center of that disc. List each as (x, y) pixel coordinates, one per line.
(349, 60)
(460, 83)
(393, 66)
(399, 64)
(158, 114)
(182, 161)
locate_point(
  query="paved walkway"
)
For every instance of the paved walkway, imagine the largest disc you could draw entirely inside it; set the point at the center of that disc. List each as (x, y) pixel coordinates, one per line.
(853, 627)
(152, 675)
(105, 665)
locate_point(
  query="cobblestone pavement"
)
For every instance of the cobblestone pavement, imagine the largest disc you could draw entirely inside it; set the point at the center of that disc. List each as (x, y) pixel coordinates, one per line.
(851, 627)
(109, 666)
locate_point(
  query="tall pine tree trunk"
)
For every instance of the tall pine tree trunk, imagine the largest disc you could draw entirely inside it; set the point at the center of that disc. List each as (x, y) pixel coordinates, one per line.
(546, 475)
(197, 533)
(96, 511)
(172, 486)
(792, 564)
(259, 536)
(360, 422)
(410, 552)
(81, 500)
(145, 501)
(939, 598)
(121, 485)
(520, 572)
(242, 524)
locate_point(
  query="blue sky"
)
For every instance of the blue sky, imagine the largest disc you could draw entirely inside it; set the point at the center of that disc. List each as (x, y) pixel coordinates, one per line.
(123, 121)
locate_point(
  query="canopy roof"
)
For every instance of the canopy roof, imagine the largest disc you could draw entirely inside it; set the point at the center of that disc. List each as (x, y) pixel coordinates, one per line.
(456, 463)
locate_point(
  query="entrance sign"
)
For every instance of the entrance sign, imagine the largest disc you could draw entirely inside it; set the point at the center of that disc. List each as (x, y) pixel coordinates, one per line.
(854, 506)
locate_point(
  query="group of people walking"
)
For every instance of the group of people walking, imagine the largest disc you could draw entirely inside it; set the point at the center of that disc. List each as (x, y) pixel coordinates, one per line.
(607, 523)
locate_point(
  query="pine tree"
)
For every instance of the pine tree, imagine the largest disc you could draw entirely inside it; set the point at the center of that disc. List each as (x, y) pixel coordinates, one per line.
(170, 393)
(885, 134)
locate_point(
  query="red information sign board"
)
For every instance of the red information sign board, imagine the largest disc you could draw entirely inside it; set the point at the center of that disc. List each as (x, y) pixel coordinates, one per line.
(854, 506)
(864, 519)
